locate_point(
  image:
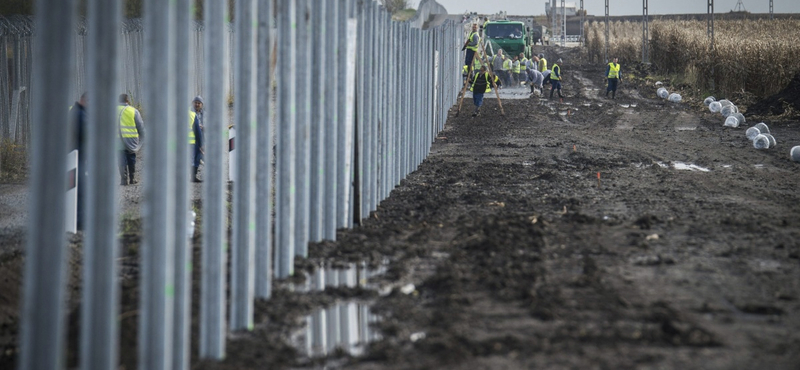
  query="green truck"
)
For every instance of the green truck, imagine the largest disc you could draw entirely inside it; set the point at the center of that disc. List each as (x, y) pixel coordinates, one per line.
(511, 36)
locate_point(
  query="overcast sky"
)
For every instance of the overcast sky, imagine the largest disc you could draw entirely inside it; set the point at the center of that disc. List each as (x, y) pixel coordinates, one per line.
(615, 7)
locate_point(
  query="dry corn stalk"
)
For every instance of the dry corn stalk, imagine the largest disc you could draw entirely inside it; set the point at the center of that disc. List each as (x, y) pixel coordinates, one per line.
(757, 56)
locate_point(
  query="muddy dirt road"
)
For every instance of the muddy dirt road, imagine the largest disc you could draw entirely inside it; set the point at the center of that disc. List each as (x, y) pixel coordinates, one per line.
(593, 234)
(685, 254)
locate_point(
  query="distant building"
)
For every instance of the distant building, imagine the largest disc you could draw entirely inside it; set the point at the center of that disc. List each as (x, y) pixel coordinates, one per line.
(570, 8)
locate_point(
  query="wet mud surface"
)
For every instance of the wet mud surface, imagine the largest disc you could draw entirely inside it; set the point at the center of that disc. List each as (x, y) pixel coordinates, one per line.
(590, 234)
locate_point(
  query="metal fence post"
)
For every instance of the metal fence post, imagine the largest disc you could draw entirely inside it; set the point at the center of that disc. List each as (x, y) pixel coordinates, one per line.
(370, 117)
(99, 327)
(182, 317)
(215, 246)
(264, 151)
(361, 78)
(331, 124)
(342, 177)
(287, 120)
(319, 119)
(350, 70)
(45, 263)
(367, 122)
(303, 127)
(386, 96)
(397, 93)
(157, 278)
(243, 251)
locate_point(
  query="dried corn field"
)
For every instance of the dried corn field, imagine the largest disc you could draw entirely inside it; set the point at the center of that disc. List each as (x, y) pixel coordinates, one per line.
(624, 40)
(757, 56)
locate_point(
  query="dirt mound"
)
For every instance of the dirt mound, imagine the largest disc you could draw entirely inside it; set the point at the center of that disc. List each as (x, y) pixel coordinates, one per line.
(786, 102)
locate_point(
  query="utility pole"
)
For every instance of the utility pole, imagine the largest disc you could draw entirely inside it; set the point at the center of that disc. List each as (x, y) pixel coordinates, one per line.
(553, 19)
(645, 32)
(712, 49)
(771, 14)
(710, 23)
(583, 17)
(563, 23)
(606, 55)
(740, 7)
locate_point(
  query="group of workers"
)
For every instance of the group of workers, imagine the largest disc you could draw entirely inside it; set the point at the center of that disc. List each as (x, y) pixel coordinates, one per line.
(501, 70)
(131, 135)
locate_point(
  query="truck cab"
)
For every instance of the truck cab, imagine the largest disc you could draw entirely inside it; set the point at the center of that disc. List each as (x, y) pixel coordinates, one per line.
(511, 36)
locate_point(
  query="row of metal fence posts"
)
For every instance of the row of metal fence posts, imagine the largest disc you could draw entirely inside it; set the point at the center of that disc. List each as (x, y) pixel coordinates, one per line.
(14, 78)
(360, 100)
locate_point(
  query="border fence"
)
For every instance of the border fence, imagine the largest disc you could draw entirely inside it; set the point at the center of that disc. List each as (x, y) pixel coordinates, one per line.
(352, 105)
(16, 38)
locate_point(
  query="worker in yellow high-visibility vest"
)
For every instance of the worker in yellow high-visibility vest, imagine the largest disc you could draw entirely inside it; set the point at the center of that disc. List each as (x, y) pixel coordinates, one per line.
(471, 45)
(481, 84)
(542, 63)
(515, 69)
(555, 79)
(614, 78)
(523, 68)
(131, 133)
(195, 143)
(476, 64)
(507, 65)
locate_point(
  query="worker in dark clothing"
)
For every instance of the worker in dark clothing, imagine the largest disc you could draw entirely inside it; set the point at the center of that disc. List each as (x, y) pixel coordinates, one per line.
(131, 132)
(555, 79)
(79, 143)
(481, 84)
(471, 45)
(614, 78)
(196, 142)
(196, 136)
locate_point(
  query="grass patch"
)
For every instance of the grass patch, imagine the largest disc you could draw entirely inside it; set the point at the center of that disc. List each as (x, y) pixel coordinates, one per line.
(404, 15)
(13, 161)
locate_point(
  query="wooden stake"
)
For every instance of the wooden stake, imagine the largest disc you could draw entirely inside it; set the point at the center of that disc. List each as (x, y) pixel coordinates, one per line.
(491, 76)
(598, 179)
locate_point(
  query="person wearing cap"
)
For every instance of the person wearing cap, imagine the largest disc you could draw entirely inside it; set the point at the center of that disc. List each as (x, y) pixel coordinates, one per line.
(542, 63)
(481, 84)
(614, 78)
(536, 80)
(131, 133)
(555, 79)
(471, 45)
(533, 65)
(196, 136)
(197, 105)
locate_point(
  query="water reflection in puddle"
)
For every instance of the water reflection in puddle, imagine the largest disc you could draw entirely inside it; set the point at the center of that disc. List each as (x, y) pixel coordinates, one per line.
(344, 325)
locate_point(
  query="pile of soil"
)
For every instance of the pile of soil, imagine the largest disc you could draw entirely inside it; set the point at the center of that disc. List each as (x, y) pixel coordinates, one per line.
(778, 105)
